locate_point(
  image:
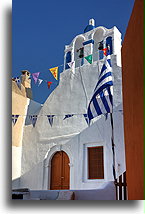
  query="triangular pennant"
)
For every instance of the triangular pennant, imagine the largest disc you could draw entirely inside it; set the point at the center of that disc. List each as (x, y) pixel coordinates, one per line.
(86, 118)
(50, 119)
(39, 81)
(70, 64)
(105, 51)
(33, 119)
(67, 116)
(89, 58)
(14, 118)
(18, 82)
(54, 72)
(35, 76)
(49, 84)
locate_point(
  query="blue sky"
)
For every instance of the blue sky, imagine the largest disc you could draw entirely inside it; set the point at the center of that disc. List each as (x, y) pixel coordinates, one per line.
(41, 29)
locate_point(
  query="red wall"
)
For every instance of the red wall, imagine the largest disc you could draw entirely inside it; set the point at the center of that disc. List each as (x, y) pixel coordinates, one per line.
(132, 71)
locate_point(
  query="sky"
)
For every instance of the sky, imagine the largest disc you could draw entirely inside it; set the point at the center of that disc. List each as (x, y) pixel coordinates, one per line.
(42, 28)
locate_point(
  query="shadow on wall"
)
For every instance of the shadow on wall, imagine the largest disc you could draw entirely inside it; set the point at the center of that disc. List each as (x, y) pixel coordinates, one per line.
(33, 109)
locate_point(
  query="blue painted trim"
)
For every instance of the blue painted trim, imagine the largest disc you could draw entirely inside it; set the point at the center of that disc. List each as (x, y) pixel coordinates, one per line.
(88, 42)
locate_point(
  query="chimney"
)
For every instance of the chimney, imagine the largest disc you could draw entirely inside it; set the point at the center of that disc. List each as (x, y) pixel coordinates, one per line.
(26, 82)
(25, 79)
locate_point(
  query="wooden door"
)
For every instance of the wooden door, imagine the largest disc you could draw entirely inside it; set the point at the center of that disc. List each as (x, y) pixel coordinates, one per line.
(60, 171)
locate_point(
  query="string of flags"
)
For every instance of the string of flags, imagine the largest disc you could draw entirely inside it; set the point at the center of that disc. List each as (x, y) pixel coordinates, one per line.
(33, 118)
(55, 71)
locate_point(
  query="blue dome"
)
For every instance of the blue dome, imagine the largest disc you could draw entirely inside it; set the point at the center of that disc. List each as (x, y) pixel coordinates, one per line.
(88, 28)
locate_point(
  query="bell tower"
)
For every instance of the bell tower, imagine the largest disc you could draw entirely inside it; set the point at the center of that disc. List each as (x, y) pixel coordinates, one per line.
(91, 44)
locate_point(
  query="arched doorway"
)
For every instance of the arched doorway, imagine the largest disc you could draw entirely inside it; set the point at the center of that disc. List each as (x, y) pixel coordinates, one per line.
(60, 171)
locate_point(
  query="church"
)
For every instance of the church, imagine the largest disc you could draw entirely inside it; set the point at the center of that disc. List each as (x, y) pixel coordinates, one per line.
(61, 150)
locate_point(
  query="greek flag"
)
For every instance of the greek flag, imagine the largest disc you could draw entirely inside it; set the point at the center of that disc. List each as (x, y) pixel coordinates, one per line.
(102, 99)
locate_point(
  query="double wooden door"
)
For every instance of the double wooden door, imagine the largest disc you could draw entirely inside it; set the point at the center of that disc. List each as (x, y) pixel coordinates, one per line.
(60, 171)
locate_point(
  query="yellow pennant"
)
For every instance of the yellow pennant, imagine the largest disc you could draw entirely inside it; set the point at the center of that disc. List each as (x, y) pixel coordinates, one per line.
(54, 72)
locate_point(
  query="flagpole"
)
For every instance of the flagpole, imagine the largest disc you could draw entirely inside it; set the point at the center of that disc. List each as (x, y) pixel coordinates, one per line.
(113, 150)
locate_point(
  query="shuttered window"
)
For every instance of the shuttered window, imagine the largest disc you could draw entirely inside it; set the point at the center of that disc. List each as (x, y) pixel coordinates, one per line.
(95, 163)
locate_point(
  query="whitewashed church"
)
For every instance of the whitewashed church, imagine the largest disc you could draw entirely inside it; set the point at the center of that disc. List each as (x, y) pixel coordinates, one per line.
(62, 151)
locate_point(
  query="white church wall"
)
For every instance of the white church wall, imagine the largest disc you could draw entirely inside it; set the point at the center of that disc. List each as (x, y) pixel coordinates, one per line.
(99, 134)
(92, 136)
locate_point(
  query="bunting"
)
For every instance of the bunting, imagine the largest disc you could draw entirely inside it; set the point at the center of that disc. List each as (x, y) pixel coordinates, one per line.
(105, 51)
(49, 84)
(14, 118)
(39, 81)
(68, 115)
(89, 58)
(54, 72)
(35, 76)
(70, 64)
(50, 119)
(33, 119)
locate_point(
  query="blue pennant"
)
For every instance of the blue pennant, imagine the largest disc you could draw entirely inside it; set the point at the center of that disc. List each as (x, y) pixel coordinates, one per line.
(50, 119)
(86, 118)
(33, 119)
(67, 116)
(14, 118)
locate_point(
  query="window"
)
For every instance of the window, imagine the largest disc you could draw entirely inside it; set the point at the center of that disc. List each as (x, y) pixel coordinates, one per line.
(95, 163)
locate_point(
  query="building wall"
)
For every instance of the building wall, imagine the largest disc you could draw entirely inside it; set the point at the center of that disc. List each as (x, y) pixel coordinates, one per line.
(99, 134)
(132, 66)
(19, 107)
